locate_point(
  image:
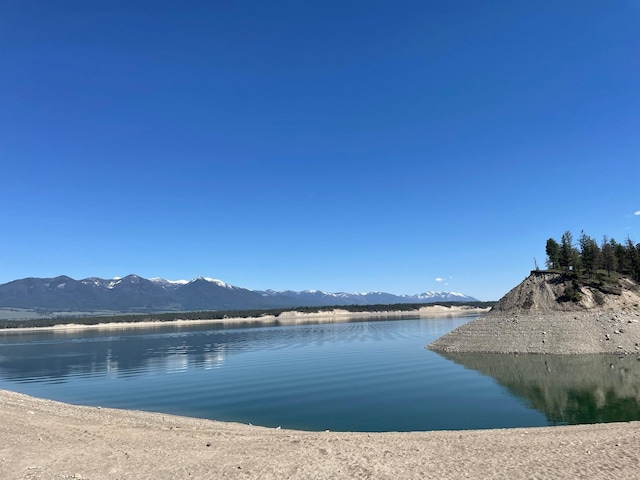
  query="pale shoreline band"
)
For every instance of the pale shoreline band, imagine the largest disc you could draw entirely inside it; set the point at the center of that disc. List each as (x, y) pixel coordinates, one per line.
(44, 439)
(285, 318)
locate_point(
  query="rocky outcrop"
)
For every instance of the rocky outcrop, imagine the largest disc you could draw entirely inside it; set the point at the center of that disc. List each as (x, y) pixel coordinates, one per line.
(551, 312)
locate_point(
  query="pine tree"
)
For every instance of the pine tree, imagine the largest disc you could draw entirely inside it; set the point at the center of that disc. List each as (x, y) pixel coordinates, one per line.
(553, 254)
(566, 250)
(590, 254)
(609, 260)
(633, 254)
(624, 264)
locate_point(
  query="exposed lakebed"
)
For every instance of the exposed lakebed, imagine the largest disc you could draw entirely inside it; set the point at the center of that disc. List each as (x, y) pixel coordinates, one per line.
(354, 376)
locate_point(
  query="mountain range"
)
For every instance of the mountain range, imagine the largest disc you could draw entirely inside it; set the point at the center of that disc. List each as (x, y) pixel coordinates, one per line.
(137, 294)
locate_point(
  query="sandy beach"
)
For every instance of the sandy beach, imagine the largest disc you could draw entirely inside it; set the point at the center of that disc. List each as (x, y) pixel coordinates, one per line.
(43, 439)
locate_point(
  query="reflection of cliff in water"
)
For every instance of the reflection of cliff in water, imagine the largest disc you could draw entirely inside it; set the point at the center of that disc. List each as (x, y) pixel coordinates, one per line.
(567, 389)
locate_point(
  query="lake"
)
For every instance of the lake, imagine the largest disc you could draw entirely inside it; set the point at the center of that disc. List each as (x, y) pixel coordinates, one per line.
(370, 375)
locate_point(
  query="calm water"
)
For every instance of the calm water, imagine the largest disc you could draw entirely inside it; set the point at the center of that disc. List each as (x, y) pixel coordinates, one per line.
(361, 376)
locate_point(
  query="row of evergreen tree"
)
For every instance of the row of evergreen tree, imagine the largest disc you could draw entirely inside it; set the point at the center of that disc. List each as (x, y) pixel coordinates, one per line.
(587, 256)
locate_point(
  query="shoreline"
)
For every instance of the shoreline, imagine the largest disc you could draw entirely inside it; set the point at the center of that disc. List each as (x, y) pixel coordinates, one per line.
(285, 318)
(45, 439)
(541, 316)
(595, 331)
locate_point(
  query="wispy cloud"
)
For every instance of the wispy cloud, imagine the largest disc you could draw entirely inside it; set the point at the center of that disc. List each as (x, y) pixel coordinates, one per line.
(637, 212)
(439, 279)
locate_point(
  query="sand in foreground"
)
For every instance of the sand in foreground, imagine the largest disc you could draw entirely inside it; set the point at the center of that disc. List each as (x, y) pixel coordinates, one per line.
(43, 439)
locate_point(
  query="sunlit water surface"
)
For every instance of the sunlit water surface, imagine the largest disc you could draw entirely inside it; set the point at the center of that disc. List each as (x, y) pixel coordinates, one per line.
(359, 376)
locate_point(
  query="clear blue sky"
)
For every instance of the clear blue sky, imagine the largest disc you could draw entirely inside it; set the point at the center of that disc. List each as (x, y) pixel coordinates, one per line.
(349, 146)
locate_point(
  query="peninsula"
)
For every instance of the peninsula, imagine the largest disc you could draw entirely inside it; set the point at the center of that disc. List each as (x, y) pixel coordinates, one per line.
(587, 302)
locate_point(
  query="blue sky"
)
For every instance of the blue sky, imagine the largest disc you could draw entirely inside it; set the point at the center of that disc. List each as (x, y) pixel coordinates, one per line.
(345, 146)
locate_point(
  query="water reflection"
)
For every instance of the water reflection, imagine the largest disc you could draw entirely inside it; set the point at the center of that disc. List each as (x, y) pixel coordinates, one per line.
(54, 356)
(362, 376)
(567, 389)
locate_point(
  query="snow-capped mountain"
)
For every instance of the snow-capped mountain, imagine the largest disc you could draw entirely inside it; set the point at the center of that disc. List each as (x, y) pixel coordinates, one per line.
(137, 294)
(168, 283)
(439, 297)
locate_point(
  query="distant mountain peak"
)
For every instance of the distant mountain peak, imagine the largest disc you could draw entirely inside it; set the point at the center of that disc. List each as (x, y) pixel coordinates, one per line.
(215, 281)
(164, 281)
(133, 293)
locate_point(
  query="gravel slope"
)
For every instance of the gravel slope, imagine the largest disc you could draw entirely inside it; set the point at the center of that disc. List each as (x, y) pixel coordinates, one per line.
(531, 319)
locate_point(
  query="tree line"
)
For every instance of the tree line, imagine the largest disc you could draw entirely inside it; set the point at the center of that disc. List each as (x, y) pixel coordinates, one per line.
(587, 257)
(219, 314)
